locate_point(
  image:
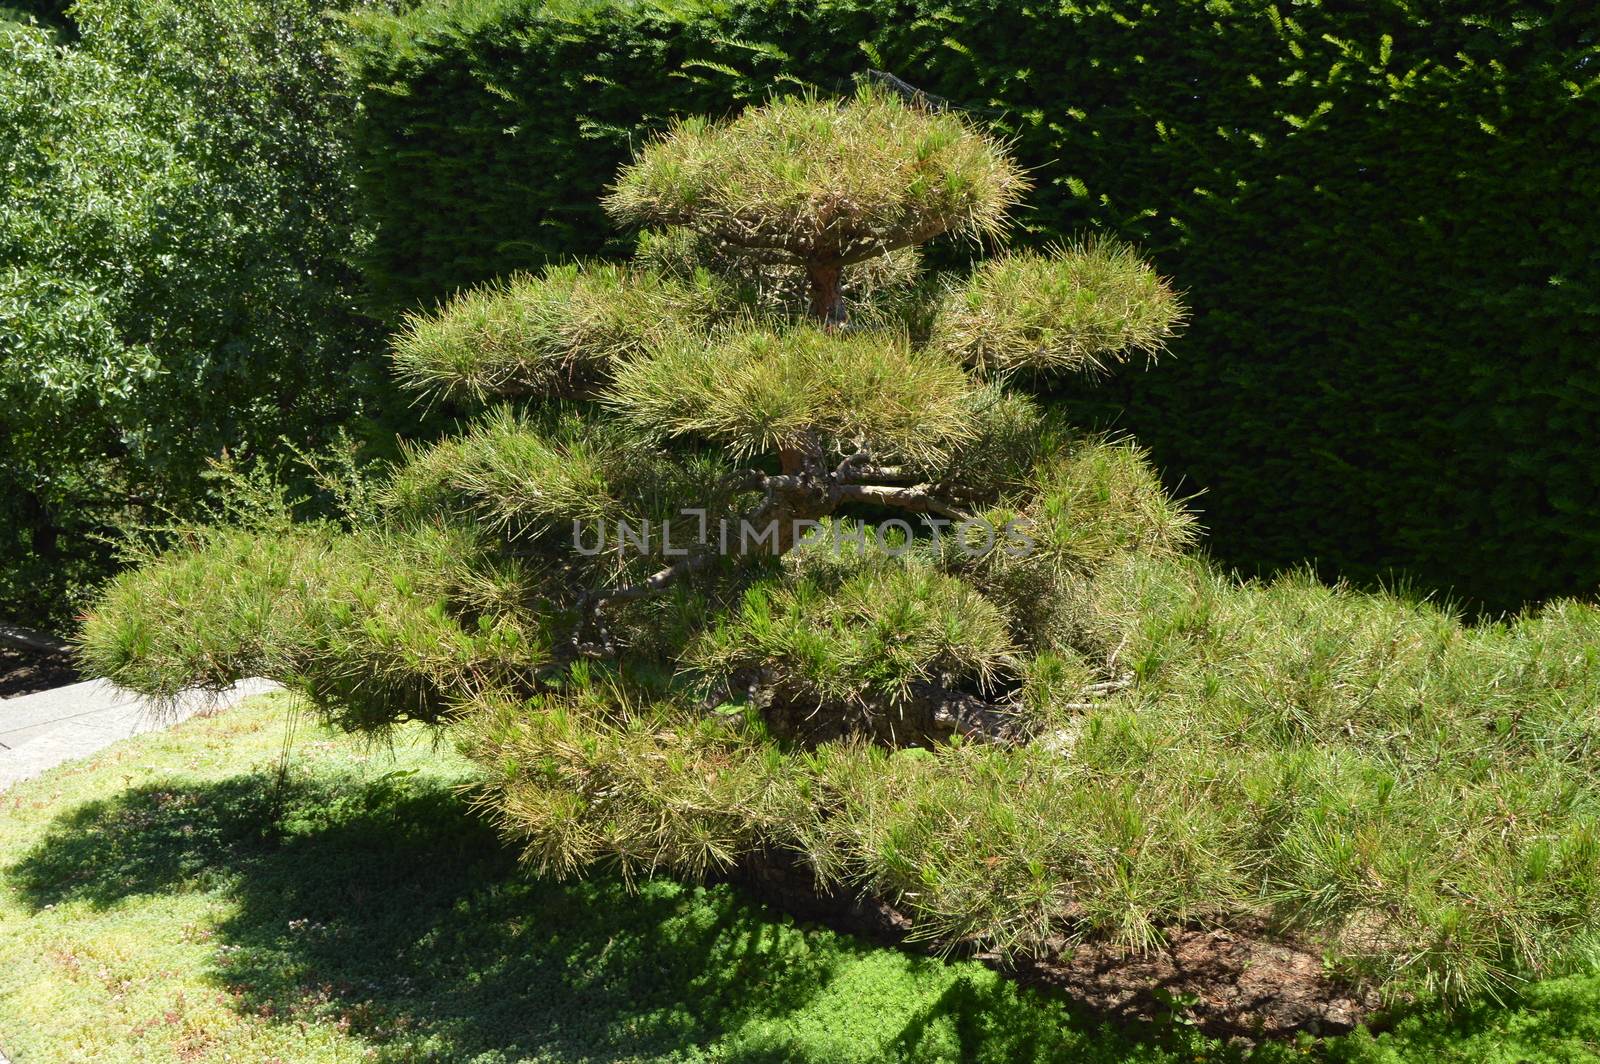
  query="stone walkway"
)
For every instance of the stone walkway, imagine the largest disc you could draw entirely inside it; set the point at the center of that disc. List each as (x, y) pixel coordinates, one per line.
(41, 730)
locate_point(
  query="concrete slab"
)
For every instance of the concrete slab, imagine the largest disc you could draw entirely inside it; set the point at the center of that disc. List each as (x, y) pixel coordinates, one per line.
(41, 730)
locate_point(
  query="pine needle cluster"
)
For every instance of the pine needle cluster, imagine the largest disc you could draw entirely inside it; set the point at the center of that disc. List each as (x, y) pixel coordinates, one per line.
(759, 391)
(802, 180)
(1081, 309)
(554, 333)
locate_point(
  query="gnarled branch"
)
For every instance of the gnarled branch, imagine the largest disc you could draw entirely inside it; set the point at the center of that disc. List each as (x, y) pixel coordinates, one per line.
(917, 498)
(805, 492)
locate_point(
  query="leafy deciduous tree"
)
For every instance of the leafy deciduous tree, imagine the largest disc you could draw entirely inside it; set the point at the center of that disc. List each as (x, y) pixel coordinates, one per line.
(175, 238)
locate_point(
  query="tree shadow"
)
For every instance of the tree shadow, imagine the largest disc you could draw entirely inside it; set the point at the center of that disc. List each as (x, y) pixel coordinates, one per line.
(388, 909)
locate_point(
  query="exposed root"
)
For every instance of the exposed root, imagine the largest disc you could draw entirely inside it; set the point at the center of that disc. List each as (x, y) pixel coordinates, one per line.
(972, 718)
(1227, 983)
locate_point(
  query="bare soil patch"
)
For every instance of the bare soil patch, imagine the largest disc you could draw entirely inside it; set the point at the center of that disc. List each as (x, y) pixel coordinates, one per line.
(1227, 983)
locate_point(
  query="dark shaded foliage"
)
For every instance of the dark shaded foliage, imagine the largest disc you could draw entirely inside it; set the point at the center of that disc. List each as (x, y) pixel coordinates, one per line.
(1386, 214)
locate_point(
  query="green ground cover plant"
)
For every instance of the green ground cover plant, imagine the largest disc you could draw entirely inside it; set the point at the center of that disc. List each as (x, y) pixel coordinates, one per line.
(1080, 741)
(179, 898)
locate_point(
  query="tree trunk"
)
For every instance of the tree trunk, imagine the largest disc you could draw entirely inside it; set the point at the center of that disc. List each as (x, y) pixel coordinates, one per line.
(44, 537)
(827, 293)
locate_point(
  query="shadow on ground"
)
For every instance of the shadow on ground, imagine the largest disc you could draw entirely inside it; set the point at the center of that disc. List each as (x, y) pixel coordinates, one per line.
(388, 909)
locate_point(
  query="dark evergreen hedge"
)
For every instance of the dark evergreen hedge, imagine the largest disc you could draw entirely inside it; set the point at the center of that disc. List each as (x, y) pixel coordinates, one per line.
(1385, 214)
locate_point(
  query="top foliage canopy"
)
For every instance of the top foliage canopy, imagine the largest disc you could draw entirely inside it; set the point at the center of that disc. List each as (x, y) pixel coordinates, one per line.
(829, 187)
(805, 180)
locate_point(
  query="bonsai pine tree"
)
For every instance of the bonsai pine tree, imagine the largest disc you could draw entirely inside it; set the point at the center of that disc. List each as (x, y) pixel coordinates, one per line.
(776, 336)
(758, 556)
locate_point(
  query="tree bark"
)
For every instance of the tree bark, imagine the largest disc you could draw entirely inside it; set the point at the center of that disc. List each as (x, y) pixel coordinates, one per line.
(827, 292)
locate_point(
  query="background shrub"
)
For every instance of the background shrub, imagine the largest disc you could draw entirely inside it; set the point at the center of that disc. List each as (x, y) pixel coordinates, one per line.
(174, 280)
(1385, 215)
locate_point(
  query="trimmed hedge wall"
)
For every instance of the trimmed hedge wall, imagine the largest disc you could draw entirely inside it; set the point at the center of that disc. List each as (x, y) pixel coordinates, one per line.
(1387, 216)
